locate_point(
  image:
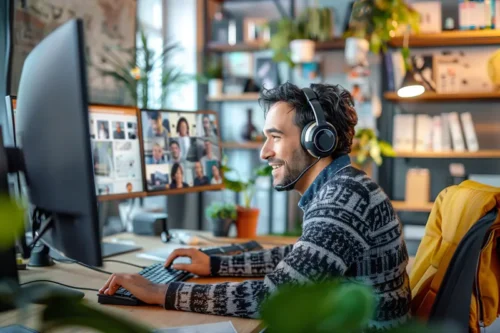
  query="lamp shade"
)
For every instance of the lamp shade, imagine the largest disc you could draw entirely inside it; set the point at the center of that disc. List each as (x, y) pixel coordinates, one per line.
(410, 87)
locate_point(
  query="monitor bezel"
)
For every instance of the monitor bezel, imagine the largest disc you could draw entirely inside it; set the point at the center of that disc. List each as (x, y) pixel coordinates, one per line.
(192, 189)
(133, 195)
(10, 102)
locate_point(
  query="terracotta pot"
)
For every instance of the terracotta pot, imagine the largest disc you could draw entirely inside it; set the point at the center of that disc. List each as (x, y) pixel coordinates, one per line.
(246, 222)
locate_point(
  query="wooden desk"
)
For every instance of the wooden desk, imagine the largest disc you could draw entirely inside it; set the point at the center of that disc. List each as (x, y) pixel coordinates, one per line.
(152, 316)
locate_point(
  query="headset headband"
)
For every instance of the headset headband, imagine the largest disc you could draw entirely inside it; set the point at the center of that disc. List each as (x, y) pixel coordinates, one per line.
(312, 99)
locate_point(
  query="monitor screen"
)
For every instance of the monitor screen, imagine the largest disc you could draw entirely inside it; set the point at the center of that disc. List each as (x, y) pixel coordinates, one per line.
(181, 150)
(115, 149)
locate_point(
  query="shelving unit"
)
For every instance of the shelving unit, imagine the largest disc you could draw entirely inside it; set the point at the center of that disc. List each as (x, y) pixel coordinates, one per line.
(450, 38)
(433, 97)
(334, 44)
(435, 40)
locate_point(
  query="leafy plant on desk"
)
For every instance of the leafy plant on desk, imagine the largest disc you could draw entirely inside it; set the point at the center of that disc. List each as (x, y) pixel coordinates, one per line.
(61, 310)
(219, 210)
(246, 187)
(367, 147)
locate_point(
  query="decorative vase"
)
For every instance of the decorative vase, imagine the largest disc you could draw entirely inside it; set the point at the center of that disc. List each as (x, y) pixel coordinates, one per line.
(220, 227)
(302, 50)
(215, 87)
(246, 222)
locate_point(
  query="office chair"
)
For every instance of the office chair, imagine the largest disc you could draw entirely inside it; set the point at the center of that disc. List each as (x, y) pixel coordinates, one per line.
(453, 299)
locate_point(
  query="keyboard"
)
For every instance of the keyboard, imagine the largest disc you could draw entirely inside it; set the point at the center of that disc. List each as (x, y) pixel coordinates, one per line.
(157, 273)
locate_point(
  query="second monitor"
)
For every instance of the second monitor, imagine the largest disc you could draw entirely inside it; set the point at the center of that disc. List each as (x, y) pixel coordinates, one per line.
(181, 150)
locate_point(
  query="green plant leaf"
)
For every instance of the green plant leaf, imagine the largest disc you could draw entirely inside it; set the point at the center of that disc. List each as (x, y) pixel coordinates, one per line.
(12, 221)
(320, 307)
(232, 185)
(386, 149)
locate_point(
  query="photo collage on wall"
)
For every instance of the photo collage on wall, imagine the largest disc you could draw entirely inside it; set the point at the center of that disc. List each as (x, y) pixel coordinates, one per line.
(181, 149)
(115, 149)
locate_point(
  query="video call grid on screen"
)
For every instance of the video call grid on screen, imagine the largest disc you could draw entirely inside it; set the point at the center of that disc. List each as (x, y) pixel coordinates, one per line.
(116, 150)
(181, 150)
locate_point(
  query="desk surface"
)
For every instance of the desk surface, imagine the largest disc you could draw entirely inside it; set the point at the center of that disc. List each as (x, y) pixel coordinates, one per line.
(153, 316)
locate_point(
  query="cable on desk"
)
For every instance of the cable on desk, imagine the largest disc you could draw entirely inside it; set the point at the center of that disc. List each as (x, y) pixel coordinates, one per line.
(62, 284)
(70, 261)
(124, 262)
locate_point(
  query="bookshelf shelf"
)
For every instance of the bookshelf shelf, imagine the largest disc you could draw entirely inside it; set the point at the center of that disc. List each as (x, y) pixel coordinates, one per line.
(334, 44)
(450, 38)
(451, 154)
(430, 96)
(403, 206)
(240, 47)
(235, 97)
(242, 145)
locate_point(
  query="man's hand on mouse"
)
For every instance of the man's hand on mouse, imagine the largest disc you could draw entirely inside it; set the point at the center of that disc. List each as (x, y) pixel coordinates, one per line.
(140, 287)
(200, 262)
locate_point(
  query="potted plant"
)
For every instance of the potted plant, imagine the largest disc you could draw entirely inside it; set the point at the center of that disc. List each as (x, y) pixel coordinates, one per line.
(372, 25)
(367, 147)
(247, 216)
(222, 216)
(137, 74)
(294, 40)
(213, 75)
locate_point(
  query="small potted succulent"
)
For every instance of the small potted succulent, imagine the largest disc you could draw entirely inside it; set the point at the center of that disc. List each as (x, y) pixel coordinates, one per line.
(222, 216)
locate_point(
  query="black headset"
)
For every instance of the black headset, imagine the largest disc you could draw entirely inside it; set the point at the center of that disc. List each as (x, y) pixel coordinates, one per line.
(319, 137)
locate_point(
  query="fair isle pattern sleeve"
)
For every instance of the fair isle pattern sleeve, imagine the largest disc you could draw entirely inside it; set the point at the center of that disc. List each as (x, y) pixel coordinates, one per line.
(327, 247)
(258, 263)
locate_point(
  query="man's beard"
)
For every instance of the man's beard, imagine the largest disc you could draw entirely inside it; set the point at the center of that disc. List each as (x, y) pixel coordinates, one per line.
(293, 168)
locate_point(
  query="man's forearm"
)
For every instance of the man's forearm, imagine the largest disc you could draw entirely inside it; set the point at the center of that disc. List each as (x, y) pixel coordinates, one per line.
(225, 299)
(258, 263)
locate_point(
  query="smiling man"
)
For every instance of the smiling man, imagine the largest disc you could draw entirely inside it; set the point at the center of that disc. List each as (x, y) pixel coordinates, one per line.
(350, 229)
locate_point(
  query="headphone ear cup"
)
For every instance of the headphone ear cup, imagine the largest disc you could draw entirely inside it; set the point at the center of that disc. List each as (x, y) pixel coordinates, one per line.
(306, 138)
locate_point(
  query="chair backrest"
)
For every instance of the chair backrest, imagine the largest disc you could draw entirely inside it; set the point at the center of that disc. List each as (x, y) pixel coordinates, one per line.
(452, 303)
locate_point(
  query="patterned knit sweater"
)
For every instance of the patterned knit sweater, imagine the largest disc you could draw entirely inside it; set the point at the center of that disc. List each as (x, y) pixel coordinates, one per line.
(350, 229)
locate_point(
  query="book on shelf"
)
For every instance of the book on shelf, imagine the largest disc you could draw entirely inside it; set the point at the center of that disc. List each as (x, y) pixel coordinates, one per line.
(447, 132)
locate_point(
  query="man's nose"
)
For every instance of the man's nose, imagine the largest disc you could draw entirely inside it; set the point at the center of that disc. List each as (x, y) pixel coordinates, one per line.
(266, 151)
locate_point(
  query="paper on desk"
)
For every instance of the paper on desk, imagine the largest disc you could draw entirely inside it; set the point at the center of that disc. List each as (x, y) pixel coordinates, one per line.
(222, 327)
(161, 254)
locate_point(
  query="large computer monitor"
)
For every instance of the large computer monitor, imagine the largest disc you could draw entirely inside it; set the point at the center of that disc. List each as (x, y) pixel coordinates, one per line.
(116, 151)
(182, 151)
(54, 151)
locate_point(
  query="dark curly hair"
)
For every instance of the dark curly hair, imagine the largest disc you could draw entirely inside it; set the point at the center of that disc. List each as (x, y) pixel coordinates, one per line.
(337, 104)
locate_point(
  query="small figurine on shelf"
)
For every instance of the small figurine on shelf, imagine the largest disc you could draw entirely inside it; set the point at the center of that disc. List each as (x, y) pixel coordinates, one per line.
(250, 132)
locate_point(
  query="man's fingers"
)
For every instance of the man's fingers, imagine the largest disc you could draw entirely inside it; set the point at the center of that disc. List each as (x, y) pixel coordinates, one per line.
(178, 253)
(106, 285)
(114, 285)
(183, 267)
